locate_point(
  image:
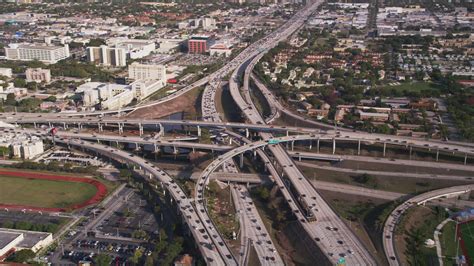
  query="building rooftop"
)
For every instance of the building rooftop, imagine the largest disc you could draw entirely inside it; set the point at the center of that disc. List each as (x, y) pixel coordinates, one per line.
(7, 237)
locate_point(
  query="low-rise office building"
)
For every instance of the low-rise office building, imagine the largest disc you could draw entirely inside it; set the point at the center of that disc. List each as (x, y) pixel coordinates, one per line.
(6, 72)
(38, 75)
(45, 53)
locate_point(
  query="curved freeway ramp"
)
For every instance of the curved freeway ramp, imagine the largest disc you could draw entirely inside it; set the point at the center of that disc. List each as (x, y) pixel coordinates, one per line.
(394, 218)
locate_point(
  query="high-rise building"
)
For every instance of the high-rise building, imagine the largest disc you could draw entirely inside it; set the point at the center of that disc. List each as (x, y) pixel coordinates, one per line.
(44, 53)
(138, 71)
(38, 75)
(107, 56)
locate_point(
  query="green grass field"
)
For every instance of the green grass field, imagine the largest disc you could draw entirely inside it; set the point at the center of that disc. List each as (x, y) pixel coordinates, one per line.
(467, 234)
(43, 193)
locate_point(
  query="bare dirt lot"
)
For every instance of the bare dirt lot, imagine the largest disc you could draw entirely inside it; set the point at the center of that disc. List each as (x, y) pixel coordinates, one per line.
(188, 103)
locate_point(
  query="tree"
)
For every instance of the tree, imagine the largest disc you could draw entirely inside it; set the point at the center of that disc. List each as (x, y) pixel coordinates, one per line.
(135, 259)
(103, 260)
(51, 99)
(10, 99)
(20, 83)
(96, 42)
(22, 256)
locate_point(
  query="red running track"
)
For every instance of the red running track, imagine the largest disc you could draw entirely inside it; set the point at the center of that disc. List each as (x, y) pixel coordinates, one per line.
(463, 245)
(99, 195)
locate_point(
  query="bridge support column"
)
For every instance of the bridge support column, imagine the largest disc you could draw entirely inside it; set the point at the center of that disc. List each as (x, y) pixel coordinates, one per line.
(100, 126)
(247, 134)
(64, 125)
(437, 154)
(175, 150)
(136, 146)
(409, 153)
(310, 144)
(140, 129)
(358, 147)
(287, 133)
(162, 130)
(317, 146)
(230, 140)
(292, 145)
(465, 158)
(333, 145)
(199, 131)
(241, 160)
(299, 158)
(49, 123)
(255, 154)
(79, 126)
(384, 148)
(34, 124)
(120, 127)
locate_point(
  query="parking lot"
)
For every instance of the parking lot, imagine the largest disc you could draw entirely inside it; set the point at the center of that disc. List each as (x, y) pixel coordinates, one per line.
(134, 215)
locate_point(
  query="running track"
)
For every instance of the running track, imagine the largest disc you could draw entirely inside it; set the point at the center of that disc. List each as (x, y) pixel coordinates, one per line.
(99, 195)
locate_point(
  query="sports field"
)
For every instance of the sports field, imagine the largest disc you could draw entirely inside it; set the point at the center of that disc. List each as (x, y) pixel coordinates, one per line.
(48, 192)
(467, 235)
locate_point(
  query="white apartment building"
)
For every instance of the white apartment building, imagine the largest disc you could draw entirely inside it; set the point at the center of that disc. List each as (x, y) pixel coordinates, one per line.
(137, 71)
(38, 75)
(107, 56)
(6, 72)
(119, 100)
(144, 88)
(95, 92)
(116, 96)
(44, 53)
(22, 145)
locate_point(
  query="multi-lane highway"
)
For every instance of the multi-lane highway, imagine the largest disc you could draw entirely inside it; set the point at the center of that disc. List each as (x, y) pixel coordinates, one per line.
(198, 228)
(362, 137)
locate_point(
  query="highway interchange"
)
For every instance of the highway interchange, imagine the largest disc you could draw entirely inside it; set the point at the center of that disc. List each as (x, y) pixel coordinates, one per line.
(320, 222)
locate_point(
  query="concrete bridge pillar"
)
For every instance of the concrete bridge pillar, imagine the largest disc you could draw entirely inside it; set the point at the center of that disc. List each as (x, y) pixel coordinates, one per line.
(100, 126)
(136, 146)
(49, 123)
(310, 144)
(255, 153)
(247, 133)
(437, 154)
(64, 125)
(333, 145)
(317, 146)
(230, 140)
(287, 133)
(358, 147)
(140, 129)
(299, 158)
(241, 160)
(175, 150)
(409, 153)
(199, 131)
(120, 127)
(34, 124)
(384, 148)
(79, 126)
(465, 158)
(292, 145)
